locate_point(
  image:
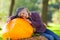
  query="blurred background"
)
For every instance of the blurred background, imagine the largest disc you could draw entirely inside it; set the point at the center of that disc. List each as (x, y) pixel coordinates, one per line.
(49, 11)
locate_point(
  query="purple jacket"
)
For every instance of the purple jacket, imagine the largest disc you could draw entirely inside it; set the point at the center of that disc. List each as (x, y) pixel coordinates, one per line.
(36, 22)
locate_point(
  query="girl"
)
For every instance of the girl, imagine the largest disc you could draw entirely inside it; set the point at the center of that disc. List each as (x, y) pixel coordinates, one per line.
(34, 19)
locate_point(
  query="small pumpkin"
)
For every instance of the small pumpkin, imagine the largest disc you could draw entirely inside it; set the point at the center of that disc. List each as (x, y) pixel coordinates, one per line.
(18, 28)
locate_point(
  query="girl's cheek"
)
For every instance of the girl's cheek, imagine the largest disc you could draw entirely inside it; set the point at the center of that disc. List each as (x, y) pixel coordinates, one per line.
(21, 14)
(26, 15)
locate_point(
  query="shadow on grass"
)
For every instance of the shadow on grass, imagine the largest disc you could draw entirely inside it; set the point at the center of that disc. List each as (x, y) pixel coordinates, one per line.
(0, 38)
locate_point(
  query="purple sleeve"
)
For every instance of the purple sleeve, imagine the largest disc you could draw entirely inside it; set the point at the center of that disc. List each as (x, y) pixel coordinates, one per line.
(37, 22)
(11, 18)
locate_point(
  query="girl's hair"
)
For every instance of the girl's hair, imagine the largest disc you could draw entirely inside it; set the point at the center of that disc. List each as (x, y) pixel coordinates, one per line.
(20, 9)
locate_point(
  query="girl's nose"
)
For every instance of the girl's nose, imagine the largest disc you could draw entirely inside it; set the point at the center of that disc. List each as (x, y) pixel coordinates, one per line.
(24, 14)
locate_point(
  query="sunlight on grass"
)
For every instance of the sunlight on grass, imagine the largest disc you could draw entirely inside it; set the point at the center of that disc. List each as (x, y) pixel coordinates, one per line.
(0, 38)
(55, 28)
(0, 35)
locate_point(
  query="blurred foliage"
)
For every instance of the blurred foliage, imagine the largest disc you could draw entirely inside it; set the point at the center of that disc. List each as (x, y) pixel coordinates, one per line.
(56, 17)
(53, 7)
(3, 17)
(30, 4)
(4, 6)
(4, 10)
(0, 28)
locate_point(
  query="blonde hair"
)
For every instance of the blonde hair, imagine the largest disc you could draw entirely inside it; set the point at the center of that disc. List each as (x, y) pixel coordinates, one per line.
(29, 13)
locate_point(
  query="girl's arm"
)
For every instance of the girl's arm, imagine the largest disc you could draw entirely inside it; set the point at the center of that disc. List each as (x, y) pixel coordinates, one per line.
(10, 18)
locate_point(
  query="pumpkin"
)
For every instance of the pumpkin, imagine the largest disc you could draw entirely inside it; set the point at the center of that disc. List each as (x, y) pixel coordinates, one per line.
(18, 28)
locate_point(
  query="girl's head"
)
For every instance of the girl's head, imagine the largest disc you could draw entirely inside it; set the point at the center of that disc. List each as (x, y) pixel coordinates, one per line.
(23, 12)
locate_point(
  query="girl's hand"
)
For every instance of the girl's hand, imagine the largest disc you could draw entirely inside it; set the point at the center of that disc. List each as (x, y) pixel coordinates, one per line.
(34, 29)
(28, 21)
(8, 20)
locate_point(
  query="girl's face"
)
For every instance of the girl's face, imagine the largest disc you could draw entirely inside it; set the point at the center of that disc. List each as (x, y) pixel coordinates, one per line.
(24, 13)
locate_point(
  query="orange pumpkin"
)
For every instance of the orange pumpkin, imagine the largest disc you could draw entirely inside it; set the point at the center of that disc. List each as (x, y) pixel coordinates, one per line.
(18, 28)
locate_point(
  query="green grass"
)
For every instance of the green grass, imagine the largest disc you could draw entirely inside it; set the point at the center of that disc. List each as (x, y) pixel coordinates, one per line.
(0, 35)
(0, 38)
(55, 28)
(3, 17)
